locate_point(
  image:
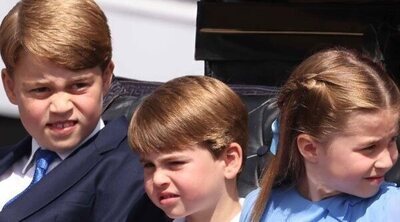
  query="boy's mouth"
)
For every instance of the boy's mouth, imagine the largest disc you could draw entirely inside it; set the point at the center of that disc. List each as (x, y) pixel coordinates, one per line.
(62, 125)
(167, 198)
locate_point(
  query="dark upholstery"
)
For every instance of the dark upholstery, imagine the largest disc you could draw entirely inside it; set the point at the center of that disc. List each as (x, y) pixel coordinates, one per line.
(126, 94)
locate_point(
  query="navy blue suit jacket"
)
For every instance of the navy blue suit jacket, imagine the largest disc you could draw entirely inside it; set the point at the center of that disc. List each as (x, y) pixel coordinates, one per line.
(100, 181)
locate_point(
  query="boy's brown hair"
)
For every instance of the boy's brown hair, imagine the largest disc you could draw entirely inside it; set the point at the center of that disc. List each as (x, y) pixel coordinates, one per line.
(71, 33)
(187, 111)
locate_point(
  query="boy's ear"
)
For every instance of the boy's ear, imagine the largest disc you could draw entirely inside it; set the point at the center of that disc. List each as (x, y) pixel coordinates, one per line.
(8, 84)
(233, 156)
(308, 146)
(107, 77)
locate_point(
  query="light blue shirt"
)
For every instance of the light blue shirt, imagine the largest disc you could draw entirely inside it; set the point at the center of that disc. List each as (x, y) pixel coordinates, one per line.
(286, 204)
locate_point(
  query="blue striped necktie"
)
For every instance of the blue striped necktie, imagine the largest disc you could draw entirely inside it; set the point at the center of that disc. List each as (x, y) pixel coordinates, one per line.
(43, 159)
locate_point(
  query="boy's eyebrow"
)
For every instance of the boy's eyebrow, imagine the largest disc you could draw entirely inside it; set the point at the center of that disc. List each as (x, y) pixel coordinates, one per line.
(80, 77)
(28, 83)
(167, 158)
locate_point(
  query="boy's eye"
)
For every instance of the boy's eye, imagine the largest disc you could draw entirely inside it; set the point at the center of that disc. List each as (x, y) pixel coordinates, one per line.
(40, 90)
(147, 165)
(176, 164)
(79, 85)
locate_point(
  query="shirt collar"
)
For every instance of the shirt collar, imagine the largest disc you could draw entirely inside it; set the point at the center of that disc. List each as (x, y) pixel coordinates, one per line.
(64, 154)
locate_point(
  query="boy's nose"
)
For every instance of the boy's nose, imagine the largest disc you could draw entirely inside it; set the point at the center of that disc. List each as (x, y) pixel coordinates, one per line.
(160, 178)
(60, 103)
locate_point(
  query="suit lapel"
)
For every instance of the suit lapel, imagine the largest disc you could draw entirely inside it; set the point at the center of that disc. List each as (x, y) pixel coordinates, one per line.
(69, 172)
(11, 154)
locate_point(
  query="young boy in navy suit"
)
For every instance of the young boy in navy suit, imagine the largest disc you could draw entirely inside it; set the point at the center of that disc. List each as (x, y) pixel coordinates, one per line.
(73, 166)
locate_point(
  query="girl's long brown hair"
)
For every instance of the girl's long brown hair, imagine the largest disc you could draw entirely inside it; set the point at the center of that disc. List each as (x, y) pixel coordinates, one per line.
(317, 99)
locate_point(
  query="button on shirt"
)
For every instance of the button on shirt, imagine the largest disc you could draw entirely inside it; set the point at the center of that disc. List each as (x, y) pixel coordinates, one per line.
(20, 174)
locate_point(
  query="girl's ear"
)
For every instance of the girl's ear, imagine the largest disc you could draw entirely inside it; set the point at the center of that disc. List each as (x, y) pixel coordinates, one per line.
(308, 146)
(107, 77)
(232, 157)
(8, 84)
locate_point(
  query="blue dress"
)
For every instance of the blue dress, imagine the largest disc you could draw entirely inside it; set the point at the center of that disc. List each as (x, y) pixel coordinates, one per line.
(286, 204)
